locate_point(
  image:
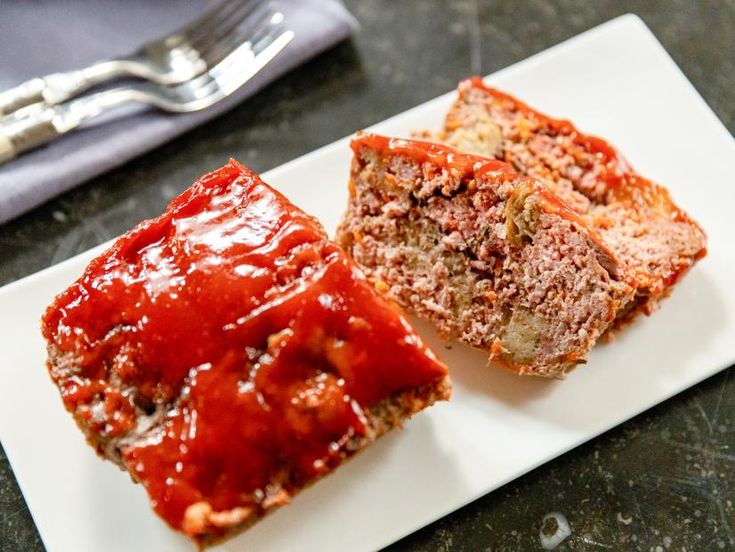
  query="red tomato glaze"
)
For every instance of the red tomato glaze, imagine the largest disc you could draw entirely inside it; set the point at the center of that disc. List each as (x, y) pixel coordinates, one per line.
(464, 165)
(624, 183)
(253, 335)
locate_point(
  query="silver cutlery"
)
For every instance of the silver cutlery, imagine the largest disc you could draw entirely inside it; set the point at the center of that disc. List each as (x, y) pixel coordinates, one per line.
(173, 59)
(38, 124)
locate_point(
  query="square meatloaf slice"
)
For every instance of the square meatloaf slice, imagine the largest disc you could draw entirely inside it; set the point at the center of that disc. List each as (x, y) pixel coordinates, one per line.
(227, 354)
(490, 256)
(655, 240)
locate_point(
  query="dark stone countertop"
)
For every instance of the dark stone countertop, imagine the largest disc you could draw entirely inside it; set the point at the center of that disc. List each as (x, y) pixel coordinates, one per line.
(664, 480)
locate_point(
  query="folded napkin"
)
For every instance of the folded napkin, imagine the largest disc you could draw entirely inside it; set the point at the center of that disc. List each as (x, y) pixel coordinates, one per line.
(41, 37)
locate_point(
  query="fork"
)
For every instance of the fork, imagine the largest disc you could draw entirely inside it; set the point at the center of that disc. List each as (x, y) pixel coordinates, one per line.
(173, 59)
(32, 126)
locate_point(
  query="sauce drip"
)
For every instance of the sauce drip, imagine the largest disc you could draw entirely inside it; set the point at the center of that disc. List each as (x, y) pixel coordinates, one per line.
(251, 336)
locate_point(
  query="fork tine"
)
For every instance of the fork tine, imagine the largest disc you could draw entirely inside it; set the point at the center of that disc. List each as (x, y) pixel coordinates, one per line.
(235, 79)
(210, 17)
(237, 66)
(245, 33)
(207, 83)
(224, 78)
(244, 16)
(229, 69)
(241, 53)
(235, 11)
(266, 34)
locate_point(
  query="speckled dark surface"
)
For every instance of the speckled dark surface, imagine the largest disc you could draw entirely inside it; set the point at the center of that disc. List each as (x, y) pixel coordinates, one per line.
(664, 480)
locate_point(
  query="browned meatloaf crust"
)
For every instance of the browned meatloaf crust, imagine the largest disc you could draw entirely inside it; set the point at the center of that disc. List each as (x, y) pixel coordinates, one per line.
(227, 354)
(654, 240)
(490, 256)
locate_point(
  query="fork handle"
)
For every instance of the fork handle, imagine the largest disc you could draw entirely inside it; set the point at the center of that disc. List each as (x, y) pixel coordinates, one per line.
(19, 134)
(38, 124)
(51, 89)
(56, 88)
(28, 93)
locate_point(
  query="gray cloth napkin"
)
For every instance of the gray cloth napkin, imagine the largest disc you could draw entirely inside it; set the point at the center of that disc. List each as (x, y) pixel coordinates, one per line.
(41, 37)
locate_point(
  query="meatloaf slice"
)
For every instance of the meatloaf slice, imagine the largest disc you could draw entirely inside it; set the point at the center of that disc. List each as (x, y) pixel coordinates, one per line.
(490, 256)
(655, 240)
(227, 354)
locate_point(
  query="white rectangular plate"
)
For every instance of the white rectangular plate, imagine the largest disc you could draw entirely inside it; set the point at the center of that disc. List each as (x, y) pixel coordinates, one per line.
(615, 81)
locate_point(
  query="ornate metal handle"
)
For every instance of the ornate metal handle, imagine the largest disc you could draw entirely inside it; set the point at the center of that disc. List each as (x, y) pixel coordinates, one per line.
(56, 88)
(37, 124)
(21, 133)
(28, 93)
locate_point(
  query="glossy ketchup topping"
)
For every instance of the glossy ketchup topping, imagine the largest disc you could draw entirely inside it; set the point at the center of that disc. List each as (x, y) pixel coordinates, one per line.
(624, 183)
(255, 339)
(465, 166)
